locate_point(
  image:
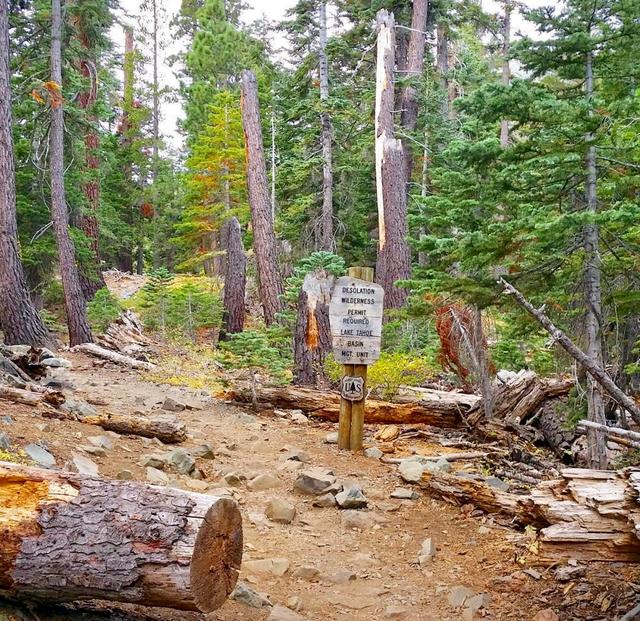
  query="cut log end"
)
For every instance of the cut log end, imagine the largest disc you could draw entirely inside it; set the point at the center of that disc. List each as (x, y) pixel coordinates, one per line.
(217, 556)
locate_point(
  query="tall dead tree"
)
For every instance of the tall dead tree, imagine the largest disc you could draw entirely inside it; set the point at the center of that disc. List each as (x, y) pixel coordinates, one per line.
(325, 239)
(91, 280)
(235, 277)
(442, 65)
(19, 320)
(415, 65)
(506, 68)
(264, 238)
(74, 301)
(393, 261)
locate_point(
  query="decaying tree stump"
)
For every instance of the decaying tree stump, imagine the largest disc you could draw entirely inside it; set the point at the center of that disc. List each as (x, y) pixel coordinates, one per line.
(235, 278)
(70, 537)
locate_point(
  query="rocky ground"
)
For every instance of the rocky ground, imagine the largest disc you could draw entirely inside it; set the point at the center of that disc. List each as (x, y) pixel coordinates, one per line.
(388, 553)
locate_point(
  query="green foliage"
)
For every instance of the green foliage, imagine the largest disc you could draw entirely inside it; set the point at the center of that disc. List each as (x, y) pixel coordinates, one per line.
(103, 310)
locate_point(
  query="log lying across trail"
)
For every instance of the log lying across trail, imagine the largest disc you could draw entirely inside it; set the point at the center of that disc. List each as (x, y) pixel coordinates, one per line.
(166, 428)
(591, 515)
(36, 396)
(113, 356)
(70, 537)
(431, 407)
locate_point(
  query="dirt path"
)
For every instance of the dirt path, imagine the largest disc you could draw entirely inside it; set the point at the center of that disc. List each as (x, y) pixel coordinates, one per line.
(366, 574)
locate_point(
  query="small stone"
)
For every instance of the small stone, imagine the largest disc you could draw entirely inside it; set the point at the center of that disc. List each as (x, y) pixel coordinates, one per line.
(536, 575)
(83, 465)
(5, 441)
(263, 482)
(56, 363)
(546, 615)
(157, 477)
(443, 465)
(233, 478)
(351, 498)
(342, 576)
(473, 604)
(306, 572)
(497, 483)
(203, 451)
(458, 595)
(403, 493)
(396, 612)
(78, 408)
(279, 510)
(171, 405)
(182, 461)
(411, 471)
(324, 501)
(294, 603)
(313, 482)
(373, 452)
(103, 442)
(357, 520)
(567, 573)
(280, 613)
(196, 485)
(124, 475)
(41, 456)
(331, 438)
(274, 566)
(93, 450)
(296, 454)
(247, 596)
(6, 420)
(153, 461)
(427, 552)
(298, 417)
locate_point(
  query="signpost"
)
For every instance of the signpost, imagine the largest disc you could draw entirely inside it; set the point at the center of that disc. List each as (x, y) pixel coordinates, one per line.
(355, 315)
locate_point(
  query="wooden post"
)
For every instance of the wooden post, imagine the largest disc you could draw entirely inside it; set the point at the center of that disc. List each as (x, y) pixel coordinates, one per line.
(351, 425)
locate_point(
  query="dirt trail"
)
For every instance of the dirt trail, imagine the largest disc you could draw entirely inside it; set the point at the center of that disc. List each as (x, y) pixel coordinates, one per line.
(362, 575)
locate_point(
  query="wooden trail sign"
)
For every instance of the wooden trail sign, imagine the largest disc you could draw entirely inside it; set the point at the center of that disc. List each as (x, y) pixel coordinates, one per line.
(355, 316)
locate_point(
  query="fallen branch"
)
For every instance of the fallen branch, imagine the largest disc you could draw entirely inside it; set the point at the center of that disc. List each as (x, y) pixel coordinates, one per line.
(630, 438)
(106, 354)
(597, 372)
(69, 537)
(31, 397)
(447, 457)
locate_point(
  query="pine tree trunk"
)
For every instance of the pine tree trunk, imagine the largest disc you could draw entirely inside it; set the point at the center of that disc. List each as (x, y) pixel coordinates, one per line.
(442, 62)
(312, 335)
(91, 280)
(235, 278)
(597, 444)
(156, 137)
(325, 237)
(74, 301)
(19, 320)
(506, 69)
(264, 239)
(415, 62)
(393, 260)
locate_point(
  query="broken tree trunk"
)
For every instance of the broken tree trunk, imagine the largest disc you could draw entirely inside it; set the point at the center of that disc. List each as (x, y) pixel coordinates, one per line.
(125, 334)
(312, 336)
(440, 409)
(591, 515)
(29, 397)
(630, 438)
(596, 371)
(168, 429)
(106, 354)
(235, 278)
(70, 537)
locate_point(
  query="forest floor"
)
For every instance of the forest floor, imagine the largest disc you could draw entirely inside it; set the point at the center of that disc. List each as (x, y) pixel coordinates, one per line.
(364, 574)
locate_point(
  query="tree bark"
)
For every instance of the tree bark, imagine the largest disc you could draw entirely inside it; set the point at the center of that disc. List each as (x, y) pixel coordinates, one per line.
(264, 239)
(235, 278)
(91, 280)
(70, 537)
(393, 260)
(595, 371)
(74, 301)
(415, 63)
(19, 320)
(506, 69)
(312, 335)
(442, 62)
(325, 238)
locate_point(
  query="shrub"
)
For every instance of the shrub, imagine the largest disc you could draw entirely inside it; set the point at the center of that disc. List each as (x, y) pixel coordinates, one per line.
(103, 310)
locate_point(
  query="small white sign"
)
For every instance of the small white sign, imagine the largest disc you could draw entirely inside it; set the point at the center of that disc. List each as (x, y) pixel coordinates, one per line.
(355, 314)
(352, 388)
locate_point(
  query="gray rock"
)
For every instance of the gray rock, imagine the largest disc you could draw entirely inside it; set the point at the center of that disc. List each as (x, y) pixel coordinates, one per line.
(357, 520)
(263, 482)
(296, 454)
(374, 452)
(92, 450)
(411, 470)
(5, 441)
(567, 573)
(497, 483)
(458, 595)
(351, 498)
(427, 552)
(279, 510)
(313, 482)
(41, 456)
(124, 475)
(182, 461)
(247, 596)
(153, 461)
(157, 477)
(298, 417)
(203, 451)
(6, 420)
(272, 566)
(280, 613)
(474, 603)
(78, 407)
(404, 493)
(306, 572)
(56, 363)
(233, 478)
(342, 576)
(325, 500)
(58, 383)
(83, 465)
(331, 438)
(171, 405)
(101, 441)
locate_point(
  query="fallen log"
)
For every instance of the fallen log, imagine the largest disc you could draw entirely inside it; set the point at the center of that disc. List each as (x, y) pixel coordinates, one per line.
(70, 537)
(630, 438)
(446, 456)
(590, 515)
(436, 408)
(168, 429)
(112, 356)
(31, 397)
(125, 334)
